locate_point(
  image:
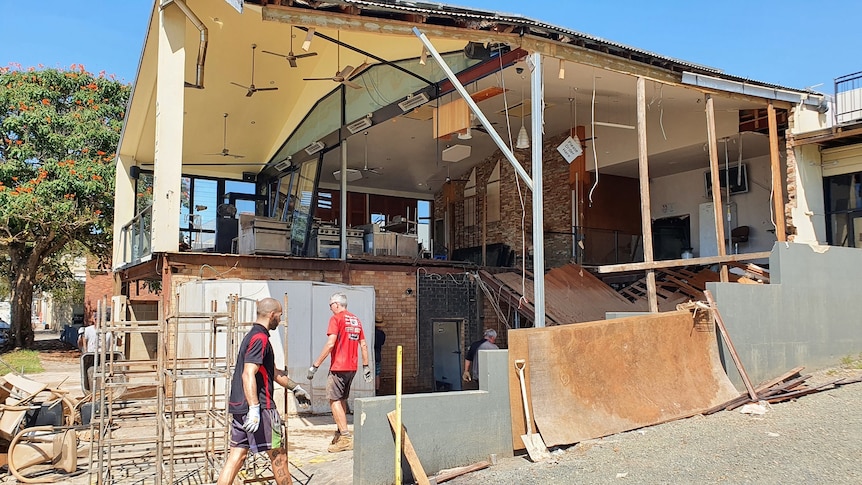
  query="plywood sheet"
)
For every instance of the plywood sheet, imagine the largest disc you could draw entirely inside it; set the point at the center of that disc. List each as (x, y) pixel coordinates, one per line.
(599, 378)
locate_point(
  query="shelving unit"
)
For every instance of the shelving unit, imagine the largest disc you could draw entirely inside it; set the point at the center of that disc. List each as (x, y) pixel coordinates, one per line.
(164, 417)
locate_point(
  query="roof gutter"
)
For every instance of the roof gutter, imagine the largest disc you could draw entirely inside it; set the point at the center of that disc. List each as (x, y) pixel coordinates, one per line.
(202, 48)
(796, 97)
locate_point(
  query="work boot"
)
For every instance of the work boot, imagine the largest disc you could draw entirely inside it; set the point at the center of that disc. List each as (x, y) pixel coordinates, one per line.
(344, 443)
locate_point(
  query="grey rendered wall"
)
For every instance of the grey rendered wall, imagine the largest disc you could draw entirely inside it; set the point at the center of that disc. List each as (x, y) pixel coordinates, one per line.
(447, 429)
(808, 316)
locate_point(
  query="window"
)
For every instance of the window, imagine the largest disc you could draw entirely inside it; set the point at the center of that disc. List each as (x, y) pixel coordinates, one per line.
(844, 209)
(492, 194)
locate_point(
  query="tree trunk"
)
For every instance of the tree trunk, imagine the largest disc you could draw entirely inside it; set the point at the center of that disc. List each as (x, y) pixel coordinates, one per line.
(23, 282)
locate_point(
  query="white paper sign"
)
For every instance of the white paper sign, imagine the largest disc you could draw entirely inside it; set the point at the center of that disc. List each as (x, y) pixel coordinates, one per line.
(570, 149)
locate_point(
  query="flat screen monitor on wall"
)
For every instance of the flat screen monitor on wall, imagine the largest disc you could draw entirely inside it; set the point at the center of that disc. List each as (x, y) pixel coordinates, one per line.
(736, 175)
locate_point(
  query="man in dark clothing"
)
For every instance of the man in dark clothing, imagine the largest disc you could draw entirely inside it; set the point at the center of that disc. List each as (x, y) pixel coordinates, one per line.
(379, 340)
(471, 362)
(252, 389)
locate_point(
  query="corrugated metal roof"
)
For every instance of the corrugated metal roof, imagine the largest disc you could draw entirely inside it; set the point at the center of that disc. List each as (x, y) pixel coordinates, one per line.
(488, 19)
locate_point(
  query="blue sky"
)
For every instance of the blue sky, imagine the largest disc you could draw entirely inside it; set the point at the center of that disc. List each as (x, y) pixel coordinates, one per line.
(788, 42)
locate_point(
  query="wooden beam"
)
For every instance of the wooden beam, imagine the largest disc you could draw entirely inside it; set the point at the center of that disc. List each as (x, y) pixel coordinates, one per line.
(726, 337)
(409, 453)
(672, 263)
(643, 175)
(775, 165)
(718, 208)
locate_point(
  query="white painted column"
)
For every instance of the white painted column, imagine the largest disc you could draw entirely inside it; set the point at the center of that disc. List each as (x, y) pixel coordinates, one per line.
(537, 100)
(170, 102)
(124, 207)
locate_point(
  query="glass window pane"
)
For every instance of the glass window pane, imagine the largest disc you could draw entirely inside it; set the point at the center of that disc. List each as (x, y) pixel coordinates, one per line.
(840, 192)
(302, 197)
(840, 230)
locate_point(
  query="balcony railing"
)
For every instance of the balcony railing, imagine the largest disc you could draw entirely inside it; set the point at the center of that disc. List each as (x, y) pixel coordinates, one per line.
(137, 235)
(848, 98)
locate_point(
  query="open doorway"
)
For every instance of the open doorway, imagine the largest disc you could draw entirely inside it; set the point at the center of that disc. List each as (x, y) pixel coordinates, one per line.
(671, 237)
(447, 354)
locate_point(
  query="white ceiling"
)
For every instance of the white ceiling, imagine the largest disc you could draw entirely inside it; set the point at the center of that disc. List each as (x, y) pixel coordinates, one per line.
(404, 148)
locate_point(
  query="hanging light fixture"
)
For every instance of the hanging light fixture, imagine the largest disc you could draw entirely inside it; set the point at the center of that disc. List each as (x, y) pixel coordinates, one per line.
(523, 140)
(309, 36)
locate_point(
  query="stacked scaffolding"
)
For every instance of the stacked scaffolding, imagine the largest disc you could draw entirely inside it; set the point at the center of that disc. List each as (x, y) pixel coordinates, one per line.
(163, 417)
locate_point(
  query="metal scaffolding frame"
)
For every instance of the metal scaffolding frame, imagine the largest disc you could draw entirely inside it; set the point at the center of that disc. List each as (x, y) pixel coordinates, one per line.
(163, 416)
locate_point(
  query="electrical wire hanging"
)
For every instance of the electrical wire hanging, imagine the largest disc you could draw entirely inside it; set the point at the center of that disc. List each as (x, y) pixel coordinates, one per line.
(593, 134)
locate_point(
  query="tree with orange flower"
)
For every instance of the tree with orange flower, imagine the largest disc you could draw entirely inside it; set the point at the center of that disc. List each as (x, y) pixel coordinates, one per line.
(59, 131)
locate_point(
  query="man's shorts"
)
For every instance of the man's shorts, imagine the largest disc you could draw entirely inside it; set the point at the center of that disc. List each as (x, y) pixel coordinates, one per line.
(267, 436)
(377, 366)
(338, 385)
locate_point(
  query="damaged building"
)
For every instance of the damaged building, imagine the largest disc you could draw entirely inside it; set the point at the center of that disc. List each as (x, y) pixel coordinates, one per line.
(456, 170)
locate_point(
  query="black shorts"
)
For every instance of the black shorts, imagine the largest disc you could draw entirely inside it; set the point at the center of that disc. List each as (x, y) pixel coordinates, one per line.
(267, 436)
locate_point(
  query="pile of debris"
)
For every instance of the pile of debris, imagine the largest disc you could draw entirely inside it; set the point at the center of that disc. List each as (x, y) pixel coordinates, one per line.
(788, 386)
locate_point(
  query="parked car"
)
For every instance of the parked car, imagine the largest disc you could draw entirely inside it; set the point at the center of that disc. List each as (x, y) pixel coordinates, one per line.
(5, 332)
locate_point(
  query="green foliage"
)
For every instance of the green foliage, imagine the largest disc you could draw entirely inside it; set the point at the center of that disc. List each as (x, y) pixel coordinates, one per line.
(58, 134)
(59, 131)
(23, 361)
(849, 362)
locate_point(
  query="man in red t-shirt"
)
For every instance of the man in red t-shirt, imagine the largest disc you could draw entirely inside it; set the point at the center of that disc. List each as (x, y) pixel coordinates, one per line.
(344, 334)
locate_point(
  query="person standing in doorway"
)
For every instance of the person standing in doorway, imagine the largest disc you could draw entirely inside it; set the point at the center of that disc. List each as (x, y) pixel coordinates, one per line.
(471, 361)
(256, 424)
(379, 340)
(344, 334)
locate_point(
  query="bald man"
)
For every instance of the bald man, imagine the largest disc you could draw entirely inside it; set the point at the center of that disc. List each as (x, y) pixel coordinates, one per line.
(256, 424)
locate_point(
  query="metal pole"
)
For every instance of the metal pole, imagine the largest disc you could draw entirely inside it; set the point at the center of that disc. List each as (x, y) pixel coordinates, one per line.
(342, 226)
(492, 132)
(537, 100)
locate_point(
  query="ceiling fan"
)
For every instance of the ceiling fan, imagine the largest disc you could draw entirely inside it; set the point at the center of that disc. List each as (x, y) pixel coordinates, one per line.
(291, 57)
(224, 151)
(448, 179)
(343, 76)
(251, 88)
(365, 168)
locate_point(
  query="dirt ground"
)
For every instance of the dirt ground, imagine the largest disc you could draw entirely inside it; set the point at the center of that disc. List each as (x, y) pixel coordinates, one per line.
(816, 425)
(308, 435)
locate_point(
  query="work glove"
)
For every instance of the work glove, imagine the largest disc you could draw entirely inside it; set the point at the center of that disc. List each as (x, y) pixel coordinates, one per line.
(302, 397)
(311, 371)
(252, 419)
(366, 372)
(467, 377)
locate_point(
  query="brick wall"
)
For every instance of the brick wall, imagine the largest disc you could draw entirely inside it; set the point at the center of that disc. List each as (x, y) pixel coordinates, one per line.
(557, 201)
(441, 298)
(398, 309)
(99, 285)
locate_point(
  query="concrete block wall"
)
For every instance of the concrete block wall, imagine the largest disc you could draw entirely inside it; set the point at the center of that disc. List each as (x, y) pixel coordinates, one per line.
(447, 429)
(807, 316)
(453, 296)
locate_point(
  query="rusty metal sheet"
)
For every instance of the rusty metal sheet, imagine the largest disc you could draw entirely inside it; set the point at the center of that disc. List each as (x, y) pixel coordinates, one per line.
(594, 379)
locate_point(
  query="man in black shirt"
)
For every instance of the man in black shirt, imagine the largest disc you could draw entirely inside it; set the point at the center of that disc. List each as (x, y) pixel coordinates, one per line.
(256, 424)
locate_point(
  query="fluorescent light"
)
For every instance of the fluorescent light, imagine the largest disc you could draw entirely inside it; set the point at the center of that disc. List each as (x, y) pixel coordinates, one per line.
(413, 102)
(315, 147)
(613, 125)
(562, 74)
(306, 44)
(360, 124)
